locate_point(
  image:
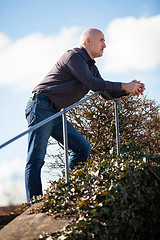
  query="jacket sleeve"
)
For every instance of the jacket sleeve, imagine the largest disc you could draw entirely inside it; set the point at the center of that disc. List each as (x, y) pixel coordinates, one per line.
(80, 70)
(116, 94)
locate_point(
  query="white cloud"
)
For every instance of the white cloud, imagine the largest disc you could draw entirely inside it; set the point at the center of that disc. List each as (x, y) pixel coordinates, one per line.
(12, 187)
(12, 181)
(26, 61)
(12, 193)
(12, 170)
(132, 44)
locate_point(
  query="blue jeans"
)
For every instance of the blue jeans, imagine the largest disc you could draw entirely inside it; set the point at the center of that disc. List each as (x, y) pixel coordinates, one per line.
(38, 108)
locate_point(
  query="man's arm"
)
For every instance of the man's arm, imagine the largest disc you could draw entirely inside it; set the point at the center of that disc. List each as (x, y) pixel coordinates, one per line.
(79, 69)
(134, 87)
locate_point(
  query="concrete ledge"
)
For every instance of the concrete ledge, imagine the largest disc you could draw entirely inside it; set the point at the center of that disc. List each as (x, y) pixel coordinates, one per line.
(29, 226)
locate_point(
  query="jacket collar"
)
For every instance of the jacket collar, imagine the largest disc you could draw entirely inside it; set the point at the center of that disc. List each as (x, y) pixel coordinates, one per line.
(82, 51)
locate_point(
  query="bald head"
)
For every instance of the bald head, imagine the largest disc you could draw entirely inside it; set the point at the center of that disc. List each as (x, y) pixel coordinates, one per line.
(88, 33)
(93, 41)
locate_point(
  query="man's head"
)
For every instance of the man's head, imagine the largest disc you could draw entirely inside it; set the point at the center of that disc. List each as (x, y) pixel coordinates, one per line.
(93, 41)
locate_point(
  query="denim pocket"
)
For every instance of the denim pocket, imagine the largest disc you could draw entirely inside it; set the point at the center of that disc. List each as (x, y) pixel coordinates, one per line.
(44, 103)
(30, 112)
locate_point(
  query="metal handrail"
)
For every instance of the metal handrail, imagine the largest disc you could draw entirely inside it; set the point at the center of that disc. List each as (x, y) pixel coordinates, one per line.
(65, 139)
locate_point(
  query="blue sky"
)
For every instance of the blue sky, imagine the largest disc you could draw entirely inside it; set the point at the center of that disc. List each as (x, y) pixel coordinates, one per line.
(33, 35)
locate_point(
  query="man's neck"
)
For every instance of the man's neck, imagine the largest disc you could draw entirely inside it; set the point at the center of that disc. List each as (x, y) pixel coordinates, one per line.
(88, 51)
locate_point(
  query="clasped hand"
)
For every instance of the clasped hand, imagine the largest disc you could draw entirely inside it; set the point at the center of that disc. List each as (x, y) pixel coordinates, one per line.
(139, 88)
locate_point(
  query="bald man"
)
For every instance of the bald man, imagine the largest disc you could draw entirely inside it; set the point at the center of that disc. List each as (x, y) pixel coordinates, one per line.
(74, 74)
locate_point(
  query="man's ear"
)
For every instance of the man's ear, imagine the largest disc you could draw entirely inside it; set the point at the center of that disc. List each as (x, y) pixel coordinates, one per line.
(88, 41)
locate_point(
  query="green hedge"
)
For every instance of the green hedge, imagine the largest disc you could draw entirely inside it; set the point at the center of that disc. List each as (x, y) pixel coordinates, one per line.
(114, 198)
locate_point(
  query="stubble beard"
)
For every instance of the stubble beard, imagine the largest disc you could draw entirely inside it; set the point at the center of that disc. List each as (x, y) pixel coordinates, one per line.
(96, 54)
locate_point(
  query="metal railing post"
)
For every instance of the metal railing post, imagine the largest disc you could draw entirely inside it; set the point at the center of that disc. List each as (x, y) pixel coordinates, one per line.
(65, 142)
(117, 126)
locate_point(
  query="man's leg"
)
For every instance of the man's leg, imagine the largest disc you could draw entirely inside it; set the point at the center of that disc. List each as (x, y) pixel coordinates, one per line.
(37, 110)
(76, 142)
(35, 160)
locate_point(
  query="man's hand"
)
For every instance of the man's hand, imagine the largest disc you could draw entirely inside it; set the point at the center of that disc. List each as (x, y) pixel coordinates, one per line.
(134, 87)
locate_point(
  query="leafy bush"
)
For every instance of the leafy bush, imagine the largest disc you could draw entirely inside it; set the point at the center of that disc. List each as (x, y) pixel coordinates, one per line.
(111, 198)
(139, 122)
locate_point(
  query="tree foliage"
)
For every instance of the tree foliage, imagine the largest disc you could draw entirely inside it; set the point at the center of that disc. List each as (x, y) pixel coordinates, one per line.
(139, 124)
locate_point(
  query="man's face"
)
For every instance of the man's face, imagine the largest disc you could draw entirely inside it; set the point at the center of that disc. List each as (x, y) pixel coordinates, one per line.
(97, 44)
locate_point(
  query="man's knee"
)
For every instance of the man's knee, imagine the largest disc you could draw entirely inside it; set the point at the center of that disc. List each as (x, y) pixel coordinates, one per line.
(85, 151)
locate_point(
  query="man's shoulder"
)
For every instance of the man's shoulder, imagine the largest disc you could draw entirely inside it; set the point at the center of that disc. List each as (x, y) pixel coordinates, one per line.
(76, 50)
(81, 51)
(75, 54)
(69, 53)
